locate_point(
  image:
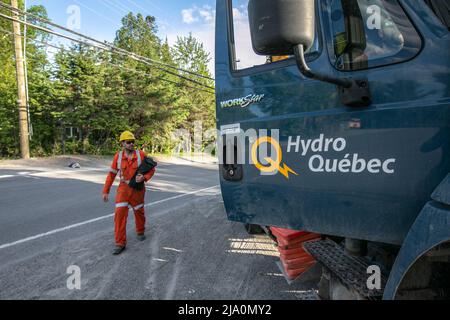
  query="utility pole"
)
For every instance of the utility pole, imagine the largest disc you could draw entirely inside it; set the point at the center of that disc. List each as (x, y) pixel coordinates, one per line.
(22, 97)
(25, 62)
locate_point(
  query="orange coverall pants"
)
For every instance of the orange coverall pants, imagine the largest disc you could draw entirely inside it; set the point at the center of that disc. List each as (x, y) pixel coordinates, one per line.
(127, 197)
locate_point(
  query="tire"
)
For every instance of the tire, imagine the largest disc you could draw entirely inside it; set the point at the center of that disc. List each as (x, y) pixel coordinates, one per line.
(253, 228)
(428, 278)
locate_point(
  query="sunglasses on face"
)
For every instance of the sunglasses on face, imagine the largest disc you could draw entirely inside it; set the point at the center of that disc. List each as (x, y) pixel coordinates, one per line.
(129, 142)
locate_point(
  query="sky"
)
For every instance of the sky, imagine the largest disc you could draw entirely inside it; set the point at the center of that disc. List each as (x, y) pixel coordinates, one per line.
(101, 18)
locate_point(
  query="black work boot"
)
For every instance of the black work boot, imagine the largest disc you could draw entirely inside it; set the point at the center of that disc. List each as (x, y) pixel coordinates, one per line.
(141, 237)
(118, 250)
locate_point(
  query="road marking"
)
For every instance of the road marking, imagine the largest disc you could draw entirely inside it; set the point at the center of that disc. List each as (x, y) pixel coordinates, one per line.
(35, 175)
(57, 172)
(6, 176)
(7, 245)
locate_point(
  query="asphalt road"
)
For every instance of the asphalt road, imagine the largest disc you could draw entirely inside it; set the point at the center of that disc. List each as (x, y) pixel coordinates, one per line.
(52, 217)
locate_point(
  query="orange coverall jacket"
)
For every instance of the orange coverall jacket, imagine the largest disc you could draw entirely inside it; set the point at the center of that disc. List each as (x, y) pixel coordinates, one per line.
(126, 197)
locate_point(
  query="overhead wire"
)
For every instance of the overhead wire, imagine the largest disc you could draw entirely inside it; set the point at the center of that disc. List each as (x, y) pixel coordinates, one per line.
(163, 21)
(104, 47)
(180, 84)
(104, 42)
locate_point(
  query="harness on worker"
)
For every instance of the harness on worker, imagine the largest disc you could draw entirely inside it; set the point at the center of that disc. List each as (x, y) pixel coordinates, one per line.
(119, 162)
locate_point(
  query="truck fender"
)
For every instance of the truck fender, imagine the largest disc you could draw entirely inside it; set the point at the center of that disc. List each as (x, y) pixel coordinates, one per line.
(431, 228)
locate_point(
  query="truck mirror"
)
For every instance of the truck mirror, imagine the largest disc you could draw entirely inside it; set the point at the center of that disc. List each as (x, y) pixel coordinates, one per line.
(276, 26)
(286, 27)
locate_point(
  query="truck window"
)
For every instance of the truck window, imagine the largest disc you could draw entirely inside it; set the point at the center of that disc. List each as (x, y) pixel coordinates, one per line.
(368, 33)
(441, 9)
(244, 55)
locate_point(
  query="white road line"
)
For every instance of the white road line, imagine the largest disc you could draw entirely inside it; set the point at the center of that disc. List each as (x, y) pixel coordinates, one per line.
(104, 169)
(7, 245)
(6, 176)
(55, 172)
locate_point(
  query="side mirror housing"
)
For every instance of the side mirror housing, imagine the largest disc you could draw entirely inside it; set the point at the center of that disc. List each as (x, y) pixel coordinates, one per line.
(286, 27)
(276, 26)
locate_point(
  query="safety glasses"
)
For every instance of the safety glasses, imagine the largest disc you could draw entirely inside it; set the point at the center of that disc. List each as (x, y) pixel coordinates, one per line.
(129, 142)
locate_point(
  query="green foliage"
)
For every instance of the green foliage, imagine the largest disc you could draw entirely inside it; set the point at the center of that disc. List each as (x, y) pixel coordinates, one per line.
(82, 98)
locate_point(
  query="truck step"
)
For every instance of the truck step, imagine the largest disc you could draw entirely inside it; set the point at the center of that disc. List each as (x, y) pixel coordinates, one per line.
(351, 270)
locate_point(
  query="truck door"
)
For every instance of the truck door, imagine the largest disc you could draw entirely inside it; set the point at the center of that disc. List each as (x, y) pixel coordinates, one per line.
(359, 172)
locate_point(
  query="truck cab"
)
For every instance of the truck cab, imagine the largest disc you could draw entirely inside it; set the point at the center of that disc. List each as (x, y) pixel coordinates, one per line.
(348, 137)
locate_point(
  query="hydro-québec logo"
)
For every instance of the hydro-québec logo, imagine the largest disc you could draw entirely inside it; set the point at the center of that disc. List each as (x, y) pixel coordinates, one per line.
(348, 161)
(321, 155)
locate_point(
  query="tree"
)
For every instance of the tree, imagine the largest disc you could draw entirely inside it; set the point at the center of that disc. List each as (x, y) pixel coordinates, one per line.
(103, 93)
(90, 96)
(39, 87)
(191, 55)
(150, 99)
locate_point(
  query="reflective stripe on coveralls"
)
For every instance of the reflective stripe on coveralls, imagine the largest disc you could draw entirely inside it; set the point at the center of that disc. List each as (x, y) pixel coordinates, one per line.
(138, 155)
(128, 198)
(121, 204)
(126, 204)
(119, 161)
(119, 164)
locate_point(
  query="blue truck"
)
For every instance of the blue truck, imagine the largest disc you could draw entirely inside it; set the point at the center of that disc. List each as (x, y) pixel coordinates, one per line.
(334, 118)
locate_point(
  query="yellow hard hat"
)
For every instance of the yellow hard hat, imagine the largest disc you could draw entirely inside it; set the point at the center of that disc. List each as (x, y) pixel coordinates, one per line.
(126, 135)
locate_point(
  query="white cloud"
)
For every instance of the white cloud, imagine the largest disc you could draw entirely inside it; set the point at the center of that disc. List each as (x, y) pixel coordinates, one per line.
(239, 16)
(188, 16)
(245, 55)
(204, 14)
(201, 23)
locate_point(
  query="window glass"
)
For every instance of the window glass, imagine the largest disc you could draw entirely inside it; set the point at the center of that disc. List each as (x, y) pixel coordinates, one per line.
(245, 57)
(370, 32)
(244, 54)
(441, 9)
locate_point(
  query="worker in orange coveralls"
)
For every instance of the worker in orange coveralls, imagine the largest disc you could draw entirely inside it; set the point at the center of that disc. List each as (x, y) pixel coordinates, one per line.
(125, 164)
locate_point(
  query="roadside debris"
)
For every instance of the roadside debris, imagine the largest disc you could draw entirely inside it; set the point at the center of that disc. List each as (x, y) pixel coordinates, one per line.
(74, 165)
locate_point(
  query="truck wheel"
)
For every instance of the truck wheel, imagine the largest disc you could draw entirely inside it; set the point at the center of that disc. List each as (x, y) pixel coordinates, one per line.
(253, 229)
(429, 277)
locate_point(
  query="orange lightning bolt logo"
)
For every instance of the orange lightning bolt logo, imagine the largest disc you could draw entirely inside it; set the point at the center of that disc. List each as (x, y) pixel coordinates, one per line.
(274, 165)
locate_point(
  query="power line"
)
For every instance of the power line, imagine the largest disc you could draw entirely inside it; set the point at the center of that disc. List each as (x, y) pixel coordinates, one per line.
(163, 21)
(104, 47)
(136, 5)
(104, 43)
(163, 79)
(127, 10)
(111, 6)
(118, 5)
(179, 84)
(101, 42)
(90, 9)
